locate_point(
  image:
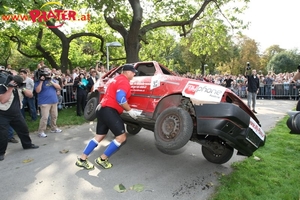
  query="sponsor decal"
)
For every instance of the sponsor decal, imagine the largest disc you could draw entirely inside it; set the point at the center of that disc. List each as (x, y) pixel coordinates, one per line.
(155, 82)
(203, 92)
(257, 129)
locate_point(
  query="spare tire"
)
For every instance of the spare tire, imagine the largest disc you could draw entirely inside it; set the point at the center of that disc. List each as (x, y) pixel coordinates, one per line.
(217, 152)
(173, 129)
(133, 129)
(296, 123)
(289, 124)
(89, 110)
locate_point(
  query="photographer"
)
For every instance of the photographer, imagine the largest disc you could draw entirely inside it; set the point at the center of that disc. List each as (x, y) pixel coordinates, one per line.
(11, 97)
(100, 70)
(46, 88)
(252, 87)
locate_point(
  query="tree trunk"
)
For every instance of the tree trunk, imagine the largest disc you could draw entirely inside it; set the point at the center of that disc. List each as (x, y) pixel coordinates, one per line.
(64, 57)
(132, 48)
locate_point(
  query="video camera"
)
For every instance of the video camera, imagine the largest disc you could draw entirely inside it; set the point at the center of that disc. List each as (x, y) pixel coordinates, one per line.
(42, 73)
(248, 66)
(6, 77)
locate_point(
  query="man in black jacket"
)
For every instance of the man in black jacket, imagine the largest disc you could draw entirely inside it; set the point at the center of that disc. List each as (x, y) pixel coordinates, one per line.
(92, 80)
(11, 97)
(252, 88)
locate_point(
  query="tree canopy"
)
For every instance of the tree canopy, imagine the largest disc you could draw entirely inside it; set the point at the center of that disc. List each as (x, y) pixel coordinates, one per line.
(195, 36)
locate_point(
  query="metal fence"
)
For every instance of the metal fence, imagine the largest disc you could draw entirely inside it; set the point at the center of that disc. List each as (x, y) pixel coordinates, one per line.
(275, 91)
(68, 95)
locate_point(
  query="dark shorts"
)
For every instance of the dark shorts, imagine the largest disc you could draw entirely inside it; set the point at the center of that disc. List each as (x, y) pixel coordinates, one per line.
(109, 119)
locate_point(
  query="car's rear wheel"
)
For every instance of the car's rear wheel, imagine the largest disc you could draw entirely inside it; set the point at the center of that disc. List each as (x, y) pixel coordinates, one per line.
(217, 151)
(133, 129)
(173, 129)
(89, 110)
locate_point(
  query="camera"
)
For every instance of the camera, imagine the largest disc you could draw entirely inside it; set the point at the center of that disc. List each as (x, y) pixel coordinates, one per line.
(6, 77)
(42, 73)
(248, 66)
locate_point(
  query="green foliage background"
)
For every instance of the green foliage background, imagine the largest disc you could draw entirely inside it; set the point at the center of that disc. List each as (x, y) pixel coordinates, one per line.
(184, 35)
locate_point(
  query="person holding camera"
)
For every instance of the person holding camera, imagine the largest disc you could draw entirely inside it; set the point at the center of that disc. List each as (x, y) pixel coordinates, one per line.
(100, 69)
(46, 88)
(11, 97)
(252, 87)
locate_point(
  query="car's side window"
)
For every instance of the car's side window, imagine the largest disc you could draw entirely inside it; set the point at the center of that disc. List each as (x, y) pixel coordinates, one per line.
(145, 70)
(165, 71)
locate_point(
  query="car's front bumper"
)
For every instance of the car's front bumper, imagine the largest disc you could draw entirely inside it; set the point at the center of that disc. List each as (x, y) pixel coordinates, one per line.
(231, 124)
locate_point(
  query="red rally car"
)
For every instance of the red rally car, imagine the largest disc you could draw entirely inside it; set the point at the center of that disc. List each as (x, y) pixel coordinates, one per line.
(179, 110)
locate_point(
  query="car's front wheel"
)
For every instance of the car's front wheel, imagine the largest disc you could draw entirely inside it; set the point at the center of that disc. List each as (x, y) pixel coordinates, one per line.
(89, 110)
(173, 129)
(217, 151)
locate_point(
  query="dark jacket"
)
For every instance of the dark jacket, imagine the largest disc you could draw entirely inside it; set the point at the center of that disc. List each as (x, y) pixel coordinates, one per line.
(90, 84)
(81, 89)
(253, 83)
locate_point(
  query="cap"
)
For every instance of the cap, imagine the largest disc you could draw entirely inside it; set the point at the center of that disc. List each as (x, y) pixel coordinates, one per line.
(129, 67)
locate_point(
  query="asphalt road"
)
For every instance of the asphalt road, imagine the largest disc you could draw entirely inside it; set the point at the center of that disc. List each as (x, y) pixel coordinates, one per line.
(50, 172)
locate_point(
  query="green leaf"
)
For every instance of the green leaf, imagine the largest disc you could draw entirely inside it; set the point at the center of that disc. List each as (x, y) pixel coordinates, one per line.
(28, 160)
(137, 187)
(120, 188)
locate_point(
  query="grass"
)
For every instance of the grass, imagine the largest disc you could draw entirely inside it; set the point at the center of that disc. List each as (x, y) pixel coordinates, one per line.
(275, 176)
(66, 117)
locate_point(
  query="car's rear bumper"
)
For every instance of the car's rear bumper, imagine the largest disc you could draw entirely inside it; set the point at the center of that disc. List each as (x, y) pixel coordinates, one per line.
(230, 123)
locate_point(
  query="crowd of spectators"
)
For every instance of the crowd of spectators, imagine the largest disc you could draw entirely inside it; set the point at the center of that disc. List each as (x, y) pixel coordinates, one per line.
(82, 79)
(74, 86)
(271, 85)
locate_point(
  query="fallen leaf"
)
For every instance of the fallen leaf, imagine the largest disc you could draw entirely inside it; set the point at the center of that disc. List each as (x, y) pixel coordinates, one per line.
(137, 187)
(120, 188)
(27, 160)
(64, 151)
(256, 158)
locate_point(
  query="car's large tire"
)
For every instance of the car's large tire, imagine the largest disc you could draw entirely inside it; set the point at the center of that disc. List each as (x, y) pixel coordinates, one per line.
(218, 152)
(173, 129)
(133, 129)
(89, 110)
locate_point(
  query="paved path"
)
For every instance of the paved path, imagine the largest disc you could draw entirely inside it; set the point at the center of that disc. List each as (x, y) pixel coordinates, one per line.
(48, 174)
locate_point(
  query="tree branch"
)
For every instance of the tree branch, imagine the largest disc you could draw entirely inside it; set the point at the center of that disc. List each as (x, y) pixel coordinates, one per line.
(114, 24)
(19, 42)
(45, 53)
(184, 23)
(56, 31)
(77, 35)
